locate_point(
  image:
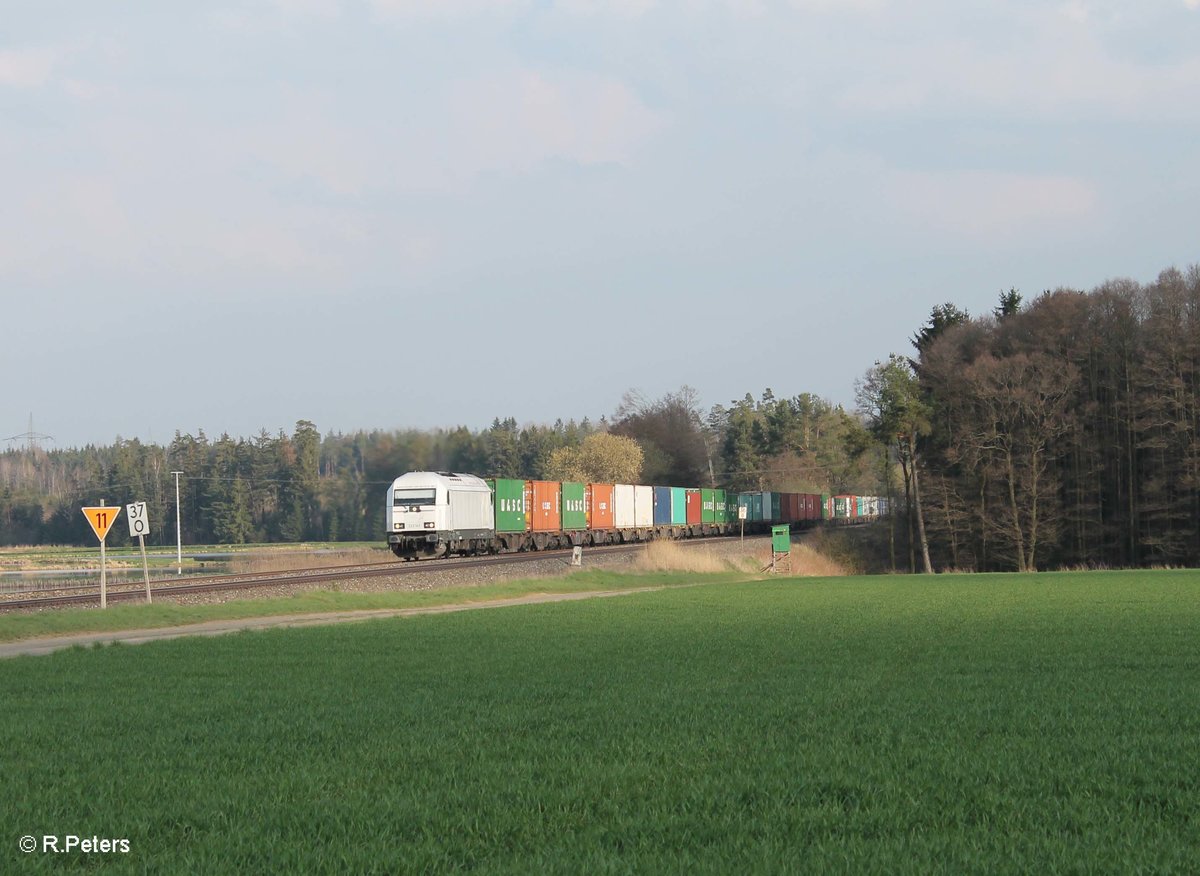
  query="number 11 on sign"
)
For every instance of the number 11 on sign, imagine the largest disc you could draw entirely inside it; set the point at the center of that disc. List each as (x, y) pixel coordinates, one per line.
(101, 518)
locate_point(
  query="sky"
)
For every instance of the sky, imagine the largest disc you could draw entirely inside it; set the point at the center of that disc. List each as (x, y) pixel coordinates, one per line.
(388, 214)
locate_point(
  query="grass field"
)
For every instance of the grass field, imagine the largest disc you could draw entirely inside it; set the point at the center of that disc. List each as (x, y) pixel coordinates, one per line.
(960, 724)
(17, 626)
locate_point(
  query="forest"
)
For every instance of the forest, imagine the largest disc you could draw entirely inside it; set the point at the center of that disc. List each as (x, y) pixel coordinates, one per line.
(1056, 432)
(1061, 433)
(309, 487)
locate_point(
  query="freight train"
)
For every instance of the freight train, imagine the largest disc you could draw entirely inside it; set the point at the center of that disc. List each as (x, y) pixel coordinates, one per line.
(434, 514)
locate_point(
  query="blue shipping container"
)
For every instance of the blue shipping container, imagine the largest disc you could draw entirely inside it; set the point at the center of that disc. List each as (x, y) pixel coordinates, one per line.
(662, 506)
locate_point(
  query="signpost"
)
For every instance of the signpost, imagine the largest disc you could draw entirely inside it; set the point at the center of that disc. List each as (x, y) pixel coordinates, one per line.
(101, 518)
(742, 521)
(139, 525)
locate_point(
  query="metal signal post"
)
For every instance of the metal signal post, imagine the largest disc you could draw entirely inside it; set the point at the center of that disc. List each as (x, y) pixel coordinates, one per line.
(178, 531)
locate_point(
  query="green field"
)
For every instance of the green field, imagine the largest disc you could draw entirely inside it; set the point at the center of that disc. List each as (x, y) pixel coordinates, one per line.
(20, 625)
(958, 724)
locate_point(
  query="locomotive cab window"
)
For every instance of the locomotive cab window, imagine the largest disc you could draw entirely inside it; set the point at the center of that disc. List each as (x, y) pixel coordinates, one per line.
(413, 498)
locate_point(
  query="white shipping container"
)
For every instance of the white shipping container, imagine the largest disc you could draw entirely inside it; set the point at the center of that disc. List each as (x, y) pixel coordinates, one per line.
(624, 516)
(644, 506)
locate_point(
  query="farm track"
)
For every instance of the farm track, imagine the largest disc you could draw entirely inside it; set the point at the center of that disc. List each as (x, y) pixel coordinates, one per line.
(133, 592)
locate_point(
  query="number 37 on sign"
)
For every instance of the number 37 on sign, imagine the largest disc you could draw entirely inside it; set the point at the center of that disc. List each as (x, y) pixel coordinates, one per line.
(139, 522)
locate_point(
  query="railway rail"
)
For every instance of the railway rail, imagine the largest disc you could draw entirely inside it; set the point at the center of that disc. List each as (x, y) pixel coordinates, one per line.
(212, 584)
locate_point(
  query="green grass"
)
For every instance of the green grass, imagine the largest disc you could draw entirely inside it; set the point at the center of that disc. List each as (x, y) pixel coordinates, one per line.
(15, 626)
(960, 724)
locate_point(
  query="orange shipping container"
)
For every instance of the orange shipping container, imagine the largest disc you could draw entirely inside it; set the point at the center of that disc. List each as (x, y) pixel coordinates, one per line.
(600, 506)
(694, 507)
(545, 506)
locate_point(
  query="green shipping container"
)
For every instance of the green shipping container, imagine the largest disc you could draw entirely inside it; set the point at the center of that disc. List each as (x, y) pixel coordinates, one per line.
(826, 507)
(708, 506)
(743, 501)
(678, 506)
(574, 510)
(776, 511)
(756, 506)
(508, 497)
(721, 508)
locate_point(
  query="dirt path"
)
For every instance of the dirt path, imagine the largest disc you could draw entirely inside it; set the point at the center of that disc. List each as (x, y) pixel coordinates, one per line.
(51, 644)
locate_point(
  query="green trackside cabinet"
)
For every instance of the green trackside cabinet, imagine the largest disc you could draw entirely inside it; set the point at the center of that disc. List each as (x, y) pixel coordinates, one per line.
(781, 539)
(708, 506)
(678, 506)
(508, 496)
(574, 509)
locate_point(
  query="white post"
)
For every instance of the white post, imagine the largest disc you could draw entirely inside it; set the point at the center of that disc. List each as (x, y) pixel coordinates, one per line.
(103, 570)
(145, 567)
(178, 532)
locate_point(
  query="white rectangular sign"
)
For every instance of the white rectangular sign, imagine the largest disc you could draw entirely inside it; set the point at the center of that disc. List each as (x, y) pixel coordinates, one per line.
(139, 522)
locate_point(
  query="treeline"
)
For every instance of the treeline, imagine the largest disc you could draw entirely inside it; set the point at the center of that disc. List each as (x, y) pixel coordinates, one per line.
(1061, 432)
(1056, 432)
(309, 487)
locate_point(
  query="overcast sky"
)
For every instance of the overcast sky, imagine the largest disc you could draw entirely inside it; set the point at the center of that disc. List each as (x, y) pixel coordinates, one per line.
(230, 216)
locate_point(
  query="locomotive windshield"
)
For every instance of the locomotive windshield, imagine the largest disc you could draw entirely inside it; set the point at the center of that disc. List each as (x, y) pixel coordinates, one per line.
(411, 498)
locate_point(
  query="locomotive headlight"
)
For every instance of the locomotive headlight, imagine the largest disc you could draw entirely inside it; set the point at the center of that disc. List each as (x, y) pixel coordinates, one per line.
(430, 525)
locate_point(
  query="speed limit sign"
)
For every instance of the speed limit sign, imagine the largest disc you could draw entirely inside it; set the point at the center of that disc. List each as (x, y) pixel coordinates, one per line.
(139, 523)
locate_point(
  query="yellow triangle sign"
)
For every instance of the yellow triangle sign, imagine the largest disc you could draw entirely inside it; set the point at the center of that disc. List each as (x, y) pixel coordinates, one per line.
(102, 518)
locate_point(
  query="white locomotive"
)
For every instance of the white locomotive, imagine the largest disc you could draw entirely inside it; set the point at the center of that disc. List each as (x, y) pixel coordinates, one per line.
(431, 514)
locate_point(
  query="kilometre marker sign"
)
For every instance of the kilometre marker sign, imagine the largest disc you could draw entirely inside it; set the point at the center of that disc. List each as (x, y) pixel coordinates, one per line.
(139, 523)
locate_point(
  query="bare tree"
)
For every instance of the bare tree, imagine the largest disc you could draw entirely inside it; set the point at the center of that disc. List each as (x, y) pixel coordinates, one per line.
(1021, 406)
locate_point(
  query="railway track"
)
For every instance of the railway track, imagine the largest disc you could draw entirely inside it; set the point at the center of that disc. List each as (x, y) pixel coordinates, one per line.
(135, 592)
